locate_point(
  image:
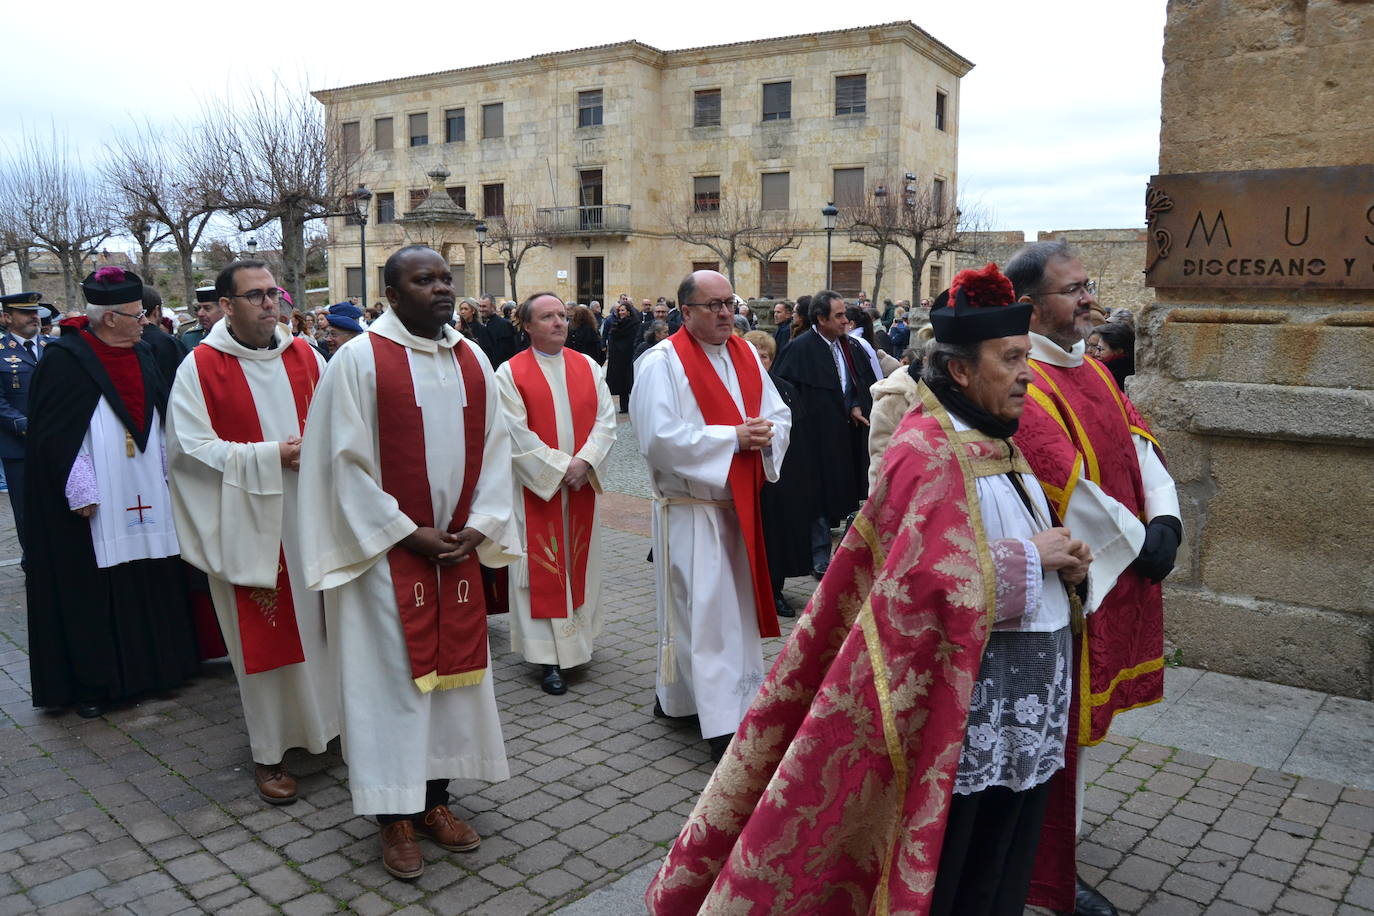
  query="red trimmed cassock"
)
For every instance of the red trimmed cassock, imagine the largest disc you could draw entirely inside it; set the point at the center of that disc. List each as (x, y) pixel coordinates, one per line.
(557, 408)
(236, 510)
(1104, 475)
(406, 432)
(714, 597)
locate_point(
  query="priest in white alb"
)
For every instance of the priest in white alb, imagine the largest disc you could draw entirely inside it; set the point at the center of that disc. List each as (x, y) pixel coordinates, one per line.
(562, 425)
(237, 411)
(405, 482)
(712, 427)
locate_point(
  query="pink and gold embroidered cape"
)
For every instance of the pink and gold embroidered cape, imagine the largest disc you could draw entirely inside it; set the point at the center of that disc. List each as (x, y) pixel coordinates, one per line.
(834, 794)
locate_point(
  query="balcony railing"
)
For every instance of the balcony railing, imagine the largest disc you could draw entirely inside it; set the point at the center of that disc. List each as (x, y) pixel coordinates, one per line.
(600, 218)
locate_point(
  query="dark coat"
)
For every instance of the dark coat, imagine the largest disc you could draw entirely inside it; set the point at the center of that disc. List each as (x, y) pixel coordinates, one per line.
(496, 337)
(95, 635)
(168, 351)
(783, 334)
(839, 445)
(620, 354)
(585, 340)
(789, 505)
(16, 377)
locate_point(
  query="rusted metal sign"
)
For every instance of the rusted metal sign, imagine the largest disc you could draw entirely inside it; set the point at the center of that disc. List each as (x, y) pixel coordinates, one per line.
(1265, 228)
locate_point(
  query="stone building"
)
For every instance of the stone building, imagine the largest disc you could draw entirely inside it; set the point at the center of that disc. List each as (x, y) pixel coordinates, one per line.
(605, 148)
(1264, 397)
(1115, 258)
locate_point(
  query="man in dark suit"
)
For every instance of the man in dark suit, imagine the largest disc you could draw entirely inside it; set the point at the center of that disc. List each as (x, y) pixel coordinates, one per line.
(782, 314)
(21, 347)
(832, 375)
(496, 335)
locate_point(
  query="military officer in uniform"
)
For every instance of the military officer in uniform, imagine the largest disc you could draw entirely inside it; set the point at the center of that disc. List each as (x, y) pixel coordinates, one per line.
(21, 347)
(208, 311)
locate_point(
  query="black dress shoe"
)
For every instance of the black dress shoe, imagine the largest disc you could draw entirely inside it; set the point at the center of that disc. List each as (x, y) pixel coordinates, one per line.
(1088, 902)
(88, 710)
(553, 681)
(783, 608)
(718, 745)
(818, 573)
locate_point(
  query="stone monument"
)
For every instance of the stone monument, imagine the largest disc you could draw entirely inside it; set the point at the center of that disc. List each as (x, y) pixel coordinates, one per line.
(1256, 361)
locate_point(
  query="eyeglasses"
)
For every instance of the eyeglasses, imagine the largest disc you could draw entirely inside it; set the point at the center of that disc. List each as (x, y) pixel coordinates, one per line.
(1075, 290)
(1096, 348)
(715, 305)
(137, 316)
(258, 296)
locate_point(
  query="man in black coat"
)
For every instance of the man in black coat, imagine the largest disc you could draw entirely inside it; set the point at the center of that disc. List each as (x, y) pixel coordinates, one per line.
(832, 376)
(496, 336)
(168, 351)
(782, 315)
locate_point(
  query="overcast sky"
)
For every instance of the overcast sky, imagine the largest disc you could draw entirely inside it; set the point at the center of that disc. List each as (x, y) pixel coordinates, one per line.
(1059, 127)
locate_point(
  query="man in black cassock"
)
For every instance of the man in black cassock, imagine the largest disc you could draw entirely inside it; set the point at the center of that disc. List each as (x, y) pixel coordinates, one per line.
(832, 377)
(168, 351)
(107, 605)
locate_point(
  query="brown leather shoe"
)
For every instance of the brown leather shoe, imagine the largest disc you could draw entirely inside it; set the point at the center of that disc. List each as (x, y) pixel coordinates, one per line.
(443, 827)
(275, 785)
(400, 853)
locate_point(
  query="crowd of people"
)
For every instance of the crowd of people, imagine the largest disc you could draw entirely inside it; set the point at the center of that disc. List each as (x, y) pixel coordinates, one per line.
(337, 499)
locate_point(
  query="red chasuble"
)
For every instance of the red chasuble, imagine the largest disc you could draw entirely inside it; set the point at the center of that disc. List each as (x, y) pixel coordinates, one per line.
(718, 408)
(267, 616)
(834, 795)
(443, 609)
(548, 550)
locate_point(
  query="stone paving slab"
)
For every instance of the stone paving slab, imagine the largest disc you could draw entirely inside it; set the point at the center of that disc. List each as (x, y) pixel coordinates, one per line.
(150, 808)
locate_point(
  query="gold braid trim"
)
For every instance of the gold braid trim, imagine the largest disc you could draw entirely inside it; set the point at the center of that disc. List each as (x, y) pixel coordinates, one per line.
(883, 687)
(436, 681)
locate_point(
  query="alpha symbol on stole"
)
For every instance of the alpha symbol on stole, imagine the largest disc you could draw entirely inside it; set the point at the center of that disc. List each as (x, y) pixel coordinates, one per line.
(143, 519)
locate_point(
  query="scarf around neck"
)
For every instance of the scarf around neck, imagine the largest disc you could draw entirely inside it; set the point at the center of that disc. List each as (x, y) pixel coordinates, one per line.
(952, 397)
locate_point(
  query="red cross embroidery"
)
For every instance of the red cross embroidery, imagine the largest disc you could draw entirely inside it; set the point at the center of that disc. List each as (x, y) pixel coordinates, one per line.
(139, 508)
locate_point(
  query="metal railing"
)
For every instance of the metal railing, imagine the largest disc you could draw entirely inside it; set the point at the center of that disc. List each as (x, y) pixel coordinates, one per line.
(596, 218)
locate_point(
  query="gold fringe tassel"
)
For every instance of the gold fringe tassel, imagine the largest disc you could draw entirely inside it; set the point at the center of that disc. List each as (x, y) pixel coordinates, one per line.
(436, 681)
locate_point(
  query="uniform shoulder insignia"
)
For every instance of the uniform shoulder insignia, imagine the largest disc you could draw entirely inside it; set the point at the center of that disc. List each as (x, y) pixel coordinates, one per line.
(11, 344)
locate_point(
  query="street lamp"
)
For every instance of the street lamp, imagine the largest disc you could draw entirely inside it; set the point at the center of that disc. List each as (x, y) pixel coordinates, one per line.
(829, 212)
(361, 198)
(481, 231)
(252, 246)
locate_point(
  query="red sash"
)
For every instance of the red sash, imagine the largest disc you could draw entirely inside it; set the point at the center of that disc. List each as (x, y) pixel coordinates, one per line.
(746, 468)
(267, 616)
(548, 560)
(443, 611)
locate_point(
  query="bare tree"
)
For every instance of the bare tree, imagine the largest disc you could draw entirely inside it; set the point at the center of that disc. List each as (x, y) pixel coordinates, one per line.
(140, 226)
(155, 181)
(777, 231)
(48, 202)
(919, 224)
(722, 225)
(271, 156)
(515, 234)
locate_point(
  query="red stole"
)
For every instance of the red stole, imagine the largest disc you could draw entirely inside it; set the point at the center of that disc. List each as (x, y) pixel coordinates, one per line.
(746, 468)
(267, 616)
(443, 611)
(547, 550)
(121, 363)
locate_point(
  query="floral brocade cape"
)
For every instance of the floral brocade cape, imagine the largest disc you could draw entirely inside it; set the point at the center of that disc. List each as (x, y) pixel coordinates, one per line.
(834, 794)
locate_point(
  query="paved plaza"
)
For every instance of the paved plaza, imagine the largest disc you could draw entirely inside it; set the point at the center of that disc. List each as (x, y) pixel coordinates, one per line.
(1231, 797)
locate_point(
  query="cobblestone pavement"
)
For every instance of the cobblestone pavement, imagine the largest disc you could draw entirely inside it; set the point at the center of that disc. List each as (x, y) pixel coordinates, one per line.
(151, 808)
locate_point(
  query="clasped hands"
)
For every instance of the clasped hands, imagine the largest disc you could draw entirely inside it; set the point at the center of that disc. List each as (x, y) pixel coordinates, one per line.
(754, 434)
(442, 547)
(1060, 551)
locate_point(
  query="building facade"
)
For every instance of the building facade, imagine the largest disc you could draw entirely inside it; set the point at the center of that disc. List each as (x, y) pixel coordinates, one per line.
(613, 152)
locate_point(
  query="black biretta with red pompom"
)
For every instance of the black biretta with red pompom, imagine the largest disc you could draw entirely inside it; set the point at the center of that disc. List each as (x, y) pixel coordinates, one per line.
(113, 286)
(981, 306)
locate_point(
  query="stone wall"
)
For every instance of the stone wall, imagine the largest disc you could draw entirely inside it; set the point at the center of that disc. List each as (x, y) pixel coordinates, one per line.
(1264, 399)
(1113, 257)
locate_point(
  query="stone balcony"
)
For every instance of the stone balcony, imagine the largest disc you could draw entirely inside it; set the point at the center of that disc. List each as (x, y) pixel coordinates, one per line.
(598, 219)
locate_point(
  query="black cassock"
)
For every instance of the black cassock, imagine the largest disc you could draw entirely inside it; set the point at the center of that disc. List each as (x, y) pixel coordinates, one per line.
(837, 444)
(95, 635)
(789, 505)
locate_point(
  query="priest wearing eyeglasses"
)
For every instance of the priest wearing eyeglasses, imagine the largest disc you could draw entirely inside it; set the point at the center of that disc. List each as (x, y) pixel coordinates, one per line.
(712, 427)
(108, 612)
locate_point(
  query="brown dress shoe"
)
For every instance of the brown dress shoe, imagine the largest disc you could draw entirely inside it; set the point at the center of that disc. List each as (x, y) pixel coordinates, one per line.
(443, 827)
(400, 853)
(275, 785)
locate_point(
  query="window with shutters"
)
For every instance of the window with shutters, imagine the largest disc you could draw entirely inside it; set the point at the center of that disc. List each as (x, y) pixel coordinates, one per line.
(381, 133)
(377, 293)
(493, 120)
(937, 198)
(846, 278)
(353, 281)
(352, 138)
(494, 279)
(777, 101)
(589, 108)
(704, 265)
(706, 108)
(419, 129)
(417, 197)
(773, 284)
(849, 187)
(937, 280)
(776, 193)
(940, 111)
(851, 94)
(455, 125)
(493, 200)
(386, 208)
(706, 194)
(459, 195)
